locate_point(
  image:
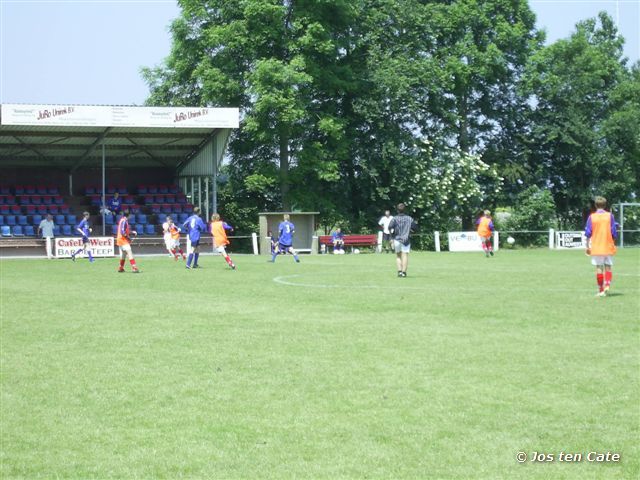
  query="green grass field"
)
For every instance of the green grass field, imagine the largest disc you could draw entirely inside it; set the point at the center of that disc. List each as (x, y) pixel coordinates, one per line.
(331, 368)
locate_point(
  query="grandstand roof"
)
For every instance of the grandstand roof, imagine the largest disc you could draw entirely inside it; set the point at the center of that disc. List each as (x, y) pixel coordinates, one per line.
(72, 136)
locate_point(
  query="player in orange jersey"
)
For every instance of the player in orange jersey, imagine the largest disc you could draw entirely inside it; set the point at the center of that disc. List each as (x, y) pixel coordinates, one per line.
(219, 229)
(485, 232)
(172, 239)
(601, 232)
(123, 240)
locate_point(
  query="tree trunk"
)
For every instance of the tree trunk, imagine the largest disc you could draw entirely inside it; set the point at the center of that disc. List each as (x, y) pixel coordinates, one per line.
(284, 169)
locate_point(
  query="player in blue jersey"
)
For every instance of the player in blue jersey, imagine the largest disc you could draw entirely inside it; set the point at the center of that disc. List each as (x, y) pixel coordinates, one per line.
(337, 238)
(194, 226)
(286, 229)
(84, 229)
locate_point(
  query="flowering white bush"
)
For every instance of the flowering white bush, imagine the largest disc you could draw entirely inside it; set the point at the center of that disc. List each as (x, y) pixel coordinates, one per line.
(441, 184)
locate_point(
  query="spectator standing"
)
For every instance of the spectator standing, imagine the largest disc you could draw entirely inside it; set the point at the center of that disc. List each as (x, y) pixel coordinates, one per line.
(401, 227)
(46, 230)
(384, 222)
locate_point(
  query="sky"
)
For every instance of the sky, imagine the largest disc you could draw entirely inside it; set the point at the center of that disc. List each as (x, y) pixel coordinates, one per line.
(92, 51)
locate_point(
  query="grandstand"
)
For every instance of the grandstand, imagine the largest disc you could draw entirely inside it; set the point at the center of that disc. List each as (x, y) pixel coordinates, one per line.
(63, 160)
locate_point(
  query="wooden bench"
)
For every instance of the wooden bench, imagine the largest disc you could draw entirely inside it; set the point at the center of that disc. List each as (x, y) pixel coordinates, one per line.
(351, 240)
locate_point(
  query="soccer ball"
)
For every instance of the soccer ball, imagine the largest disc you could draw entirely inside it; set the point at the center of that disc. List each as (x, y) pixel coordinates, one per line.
(356, 251)
(511, 240)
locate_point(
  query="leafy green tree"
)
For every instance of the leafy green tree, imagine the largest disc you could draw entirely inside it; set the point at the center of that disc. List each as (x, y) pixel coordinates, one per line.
(584, 139)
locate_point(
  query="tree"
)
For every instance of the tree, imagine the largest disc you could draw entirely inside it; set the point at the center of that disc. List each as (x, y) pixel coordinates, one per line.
(584, 140)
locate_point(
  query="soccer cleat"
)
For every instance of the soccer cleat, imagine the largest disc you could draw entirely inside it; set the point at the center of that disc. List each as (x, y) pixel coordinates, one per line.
(601, 294)
(91, 260)
(187, 267)
(606, 289)
(135, 270)
(121, 270)
(491, 252)
(233, 267)
(73, 257)
(399, 274)
(404, 274)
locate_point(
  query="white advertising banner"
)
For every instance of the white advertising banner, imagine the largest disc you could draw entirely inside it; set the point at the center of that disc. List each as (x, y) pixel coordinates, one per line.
(100, 246)
(571, 240)
(464, 242)
(114, 116)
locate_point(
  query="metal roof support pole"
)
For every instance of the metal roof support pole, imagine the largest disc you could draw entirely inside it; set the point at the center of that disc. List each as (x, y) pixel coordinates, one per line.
(206, 197)
(104, 203)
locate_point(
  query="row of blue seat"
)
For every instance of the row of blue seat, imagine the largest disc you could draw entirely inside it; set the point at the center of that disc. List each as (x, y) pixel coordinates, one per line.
(143, 219)
(68, 230)
(29, 190)
(31, 200)
(12, 220)
(34, 209)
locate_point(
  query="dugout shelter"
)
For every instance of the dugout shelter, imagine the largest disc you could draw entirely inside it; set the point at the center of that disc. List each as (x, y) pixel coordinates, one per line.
(90, 148)
(304, 238)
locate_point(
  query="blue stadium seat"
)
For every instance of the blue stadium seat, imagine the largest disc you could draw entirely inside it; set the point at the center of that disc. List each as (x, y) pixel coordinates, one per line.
(47, 200)
(152, 189)
(163, 189)
(10, 220)
(183, 217)
(159, 199)
(16, 210)
(108, 219)
(41, 190)
(66, 230)
(6, 231)
(59, 220)
(53, 190)
(29, 231)
(24, 200)
(30, 190)
(36, 200)
(4, 190)
(19, 190)
(142, 189)
(22, 220)
(1, 199)
(174, 189)
(58, 200)
(17, 231)
(138, 228)
(42, 209)
(71, 219)
(36, 219)
(64, 209)
(1, 220)
(141, 218)
(150, 229)
(56, 230)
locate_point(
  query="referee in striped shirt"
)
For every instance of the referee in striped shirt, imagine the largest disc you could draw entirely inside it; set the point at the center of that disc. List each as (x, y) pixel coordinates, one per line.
(400, 227)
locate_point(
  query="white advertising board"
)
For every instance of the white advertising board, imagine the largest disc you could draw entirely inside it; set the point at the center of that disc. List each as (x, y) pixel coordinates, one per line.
(100, 246)
(464, 242)
(571, 240)
(114, 116)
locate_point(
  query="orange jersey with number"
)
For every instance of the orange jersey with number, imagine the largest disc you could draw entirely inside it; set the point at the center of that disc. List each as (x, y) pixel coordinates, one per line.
(123, 232)
(602, 242)
(219, 234)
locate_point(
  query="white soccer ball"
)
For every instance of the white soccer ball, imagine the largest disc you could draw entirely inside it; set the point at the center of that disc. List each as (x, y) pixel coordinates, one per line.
(356, 251)
(511, 240)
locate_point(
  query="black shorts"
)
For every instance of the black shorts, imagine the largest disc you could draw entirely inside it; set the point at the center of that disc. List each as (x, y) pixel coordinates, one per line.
(85, 240)
(386, 237)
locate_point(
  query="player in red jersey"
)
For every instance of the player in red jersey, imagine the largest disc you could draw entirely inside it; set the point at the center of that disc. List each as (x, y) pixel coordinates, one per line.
(123, 240)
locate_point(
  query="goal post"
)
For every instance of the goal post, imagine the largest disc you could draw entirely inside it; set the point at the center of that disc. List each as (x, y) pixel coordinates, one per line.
(628, 218)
